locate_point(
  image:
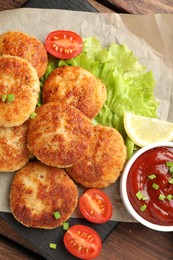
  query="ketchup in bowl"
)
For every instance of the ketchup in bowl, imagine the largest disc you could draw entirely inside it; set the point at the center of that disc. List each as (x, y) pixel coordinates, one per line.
(150, 185)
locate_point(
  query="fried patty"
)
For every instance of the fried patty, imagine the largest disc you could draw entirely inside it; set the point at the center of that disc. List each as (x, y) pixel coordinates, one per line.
(59, 135)
(18, 78)
(104, 160)
(25, 46)
(37, 191)
(78, 87)
(14, 153)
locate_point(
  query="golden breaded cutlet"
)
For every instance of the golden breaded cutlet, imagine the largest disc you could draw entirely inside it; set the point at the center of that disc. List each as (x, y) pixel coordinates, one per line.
(14, 153)
(25, 46)
(18, 78)
(78, 87)
(37, 191)
(104, 160)
(59, 135)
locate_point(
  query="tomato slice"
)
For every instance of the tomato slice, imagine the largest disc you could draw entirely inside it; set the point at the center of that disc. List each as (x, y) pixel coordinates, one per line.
(63, 44)
(95, 206)
(83, 242)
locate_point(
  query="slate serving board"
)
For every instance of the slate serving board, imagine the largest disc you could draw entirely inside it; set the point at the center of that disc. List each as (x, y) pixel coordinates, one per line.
(74, 5)
(39, 238)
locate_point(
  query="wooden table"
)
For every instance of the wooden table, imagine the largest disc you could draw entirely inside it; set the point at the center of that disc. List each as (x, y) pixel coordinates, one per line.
(133, 6)
(130, 241)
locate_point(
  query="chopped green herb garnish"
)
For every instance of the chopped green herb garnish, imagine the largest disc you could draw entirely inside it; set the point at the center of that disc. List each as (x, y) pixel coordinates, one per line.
(52, 245)
(38, 105)
(10, 97)
(33, 115)
(139, 195)
(143, 207)
(171, 169)
(161, 197)
(145, 198)
(65, 225)
(41, 84)
(57, 214)
(171, 181)
(155, 186)
(152, 176)
(169, 197)
(4, 98)
(169, 164)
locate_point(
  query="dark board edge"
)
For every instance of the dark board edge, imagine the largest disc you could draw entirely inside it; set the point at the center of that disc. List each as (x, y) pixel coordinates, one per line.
(39, 239)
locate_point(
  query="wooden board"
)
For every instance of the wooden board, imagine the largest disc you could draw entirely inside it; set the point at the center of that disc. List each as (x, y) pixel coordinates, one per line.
(139, 6)
(11, 4)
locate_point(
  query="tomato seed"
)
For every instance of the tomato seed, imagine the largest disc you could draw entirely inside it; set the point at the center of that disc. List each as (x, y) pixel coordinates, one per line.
(91, 211)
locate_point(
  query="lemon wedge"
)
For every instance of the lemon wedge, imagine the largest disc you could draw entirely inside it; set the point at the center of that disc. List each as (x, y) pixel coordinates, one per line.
(144, 130)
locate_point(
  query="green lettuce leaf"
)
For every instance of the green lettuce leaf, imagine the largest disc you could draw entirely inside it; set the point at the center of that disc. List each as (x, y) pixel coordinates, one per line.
(130, 87)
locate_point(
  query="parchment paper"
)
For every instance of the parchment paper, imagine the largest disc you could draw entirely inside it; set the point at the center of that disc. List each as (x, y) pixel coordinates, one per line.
(150, 37)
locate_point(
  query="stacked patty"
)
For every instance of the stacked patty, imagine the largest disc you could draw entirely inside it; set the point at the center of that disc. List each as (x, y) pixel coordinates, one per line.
(77, 87)
(23, 60)
(106, 153)
(60, 134)
(19, 79)
(25, 46)
(104, 160)
(14, 153)
(64, 145)
(37, 190)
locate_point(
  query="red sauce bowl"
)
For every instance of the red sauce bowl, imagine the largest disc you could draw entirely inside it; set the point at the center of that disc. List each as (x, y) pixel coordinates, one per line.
(146, 186)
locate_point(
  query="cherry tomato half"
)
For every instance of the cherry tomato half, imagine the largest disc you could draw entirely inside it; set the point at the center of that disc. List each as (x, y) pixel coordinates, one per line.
(83, 242)
(95, 206)
(63, 44)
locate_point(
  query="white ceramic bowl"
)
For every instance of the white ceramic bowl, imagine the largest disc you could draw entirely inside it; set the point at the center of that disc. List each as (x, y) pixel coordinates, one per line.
(124, 194)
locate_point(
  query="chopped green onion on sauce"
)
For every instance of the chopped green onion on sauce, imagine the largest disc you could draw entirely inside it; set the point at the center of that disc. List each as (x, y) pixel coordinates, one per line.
(152, 176)
(143, 207)
(10, 97)
(169, 197)
(57, 214)
(139, 195)
(65, 225)
(52, 245)
(155, 186)
(169, 164)
(145, 198)
(171, 169)
(171, 181)
(161, 197)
